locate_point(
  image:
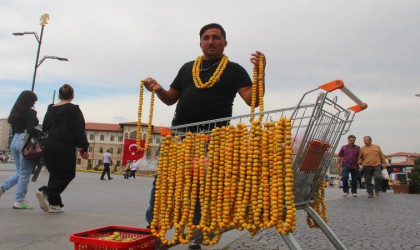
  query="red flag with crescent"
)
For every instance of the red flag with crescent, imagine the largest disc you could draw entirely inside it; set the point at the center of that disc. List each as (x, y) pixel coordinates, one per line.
(131, 151)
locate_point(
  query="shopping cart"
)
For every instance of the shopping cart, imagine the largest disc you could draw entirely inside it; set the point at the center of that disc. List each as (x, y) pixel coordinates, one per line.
(318, 122)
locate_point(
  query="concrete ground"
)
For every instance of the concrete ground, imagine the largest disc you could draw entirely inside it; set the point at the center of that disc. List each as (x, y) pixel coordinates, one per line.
(391, 221)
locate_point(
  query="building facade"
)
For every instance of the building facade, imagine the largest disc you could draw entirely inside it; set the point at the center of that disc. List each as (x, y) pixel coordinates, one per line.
(107, 136)
(4, 135)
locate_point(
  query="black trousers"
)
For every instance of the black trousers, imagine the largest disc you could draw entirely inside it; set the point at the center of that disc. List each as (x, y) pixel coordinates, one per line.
(60, 160)
(106, 170)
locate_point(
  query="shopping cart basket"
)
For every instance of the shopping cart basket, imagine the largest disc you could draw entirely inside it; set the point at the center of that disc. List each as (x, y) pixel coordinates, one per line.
(318, 122)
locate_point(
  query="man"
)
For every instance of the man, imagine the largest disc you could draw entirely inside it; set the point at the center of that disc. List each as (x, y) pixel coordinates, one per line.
(348, 164)
(215, 100)
(107, 162)
(372, 159)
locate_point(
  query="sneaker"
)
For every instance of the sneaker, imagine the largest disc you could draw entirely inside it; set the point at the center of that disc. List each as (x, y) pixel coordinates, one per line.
(346, 194)
(377, 193)
(43, 200)
(55, 209)
(22, 205)
(370, 194)
(354, 195)
(110, 178)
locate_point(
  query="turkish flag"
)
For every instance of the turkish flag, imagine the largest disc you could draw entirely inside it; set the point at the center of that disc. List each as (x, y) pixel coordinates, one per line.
(131, 151)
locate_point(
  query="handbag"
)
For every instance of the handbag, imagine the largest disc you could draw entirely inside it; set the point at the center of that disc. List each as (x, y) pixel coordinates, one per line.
(33, 149)
(385, 174)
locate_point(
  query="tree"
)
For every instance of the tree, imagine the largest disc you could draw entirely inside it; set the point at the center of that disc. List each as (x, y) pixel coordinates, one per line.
(414, 186)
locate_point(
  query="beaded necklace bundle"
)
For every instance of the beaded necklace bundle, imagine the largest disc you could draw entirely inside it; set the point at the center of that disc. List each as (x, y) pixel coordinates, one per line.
(214, 78)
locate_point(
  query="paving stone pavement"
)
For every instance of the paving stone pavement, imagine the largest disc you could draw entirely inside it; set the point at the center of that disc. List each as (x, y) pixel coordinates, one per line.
(390, 221)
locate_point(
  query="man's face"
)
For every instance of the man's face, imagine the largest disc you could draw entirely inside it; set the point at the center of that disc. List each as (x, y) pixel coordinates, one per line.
(212, 43)
(367, 141)
(351, 141)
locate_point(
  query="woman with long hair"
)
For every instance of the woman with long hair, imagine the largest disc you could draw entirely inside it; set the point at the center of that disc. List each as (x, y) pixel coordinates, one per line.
(65, 125)
(22, 117)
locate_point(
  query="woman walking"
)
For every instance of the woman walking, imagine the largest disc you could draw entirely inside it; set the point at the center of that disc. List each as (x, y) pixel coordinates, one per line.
(22, 117)
(65, 125)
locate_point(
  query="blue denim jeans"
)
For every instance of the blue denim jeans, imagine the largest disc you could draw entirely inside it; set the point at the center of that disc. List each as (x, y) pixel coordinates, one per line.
(354, 178)
(24, 169)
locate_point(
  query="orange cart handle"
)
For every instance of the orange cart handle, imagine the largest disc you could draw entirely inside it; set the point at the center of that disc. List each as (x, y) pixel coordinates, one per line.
(339, 84)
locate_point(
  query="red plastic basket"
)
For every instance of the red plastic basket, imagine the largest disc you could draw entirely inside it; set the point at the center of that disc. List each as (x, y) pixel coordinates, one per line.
(89, 240)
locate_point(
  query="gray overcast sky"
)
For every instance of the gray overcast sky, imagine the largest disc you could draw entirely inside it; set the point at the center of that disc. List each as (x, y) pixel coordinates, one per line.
(372, 45)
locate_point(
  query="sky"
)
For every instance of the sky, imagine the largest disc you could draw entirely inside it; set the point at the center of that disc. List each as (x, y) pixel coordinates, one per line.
(372, 45)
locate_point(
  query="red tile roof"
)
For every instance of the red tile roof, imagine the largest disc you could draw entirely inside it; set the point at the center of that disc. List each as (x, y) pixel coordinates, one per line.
(103, 126)
(117, 127)
(403, 163)
(405, 154)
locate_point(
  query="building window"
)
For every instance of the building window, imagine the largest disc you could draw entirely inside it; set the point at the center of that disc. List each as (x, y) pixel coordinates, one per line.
(118, 163)
(91, 137)
(112, 138)
(120, 138)
(119, 151)
(79, 161)
(102, 137)
(143, 137)
(157, 139)
(101, 150)
(90, 149)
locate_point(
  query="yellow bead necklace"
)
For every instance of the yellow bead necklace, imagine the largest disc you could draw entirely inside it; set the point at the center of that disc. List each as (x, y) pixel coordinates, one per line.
(214, 78)
(149, 124)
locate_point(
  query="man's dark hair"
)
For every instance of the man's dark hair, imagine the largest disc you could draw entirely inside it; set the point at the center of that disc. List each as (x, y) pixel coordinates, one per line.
(351, 136)
(213, 26)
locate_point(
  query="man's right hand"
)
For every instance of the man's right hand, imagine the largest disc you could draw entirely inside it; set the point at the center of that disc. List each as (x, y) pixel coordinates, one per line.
(151, 84)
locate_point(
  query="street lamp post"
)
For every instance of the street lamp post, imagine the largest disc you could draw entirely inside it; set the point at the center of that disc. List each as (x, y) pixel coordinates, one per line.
(43, 21)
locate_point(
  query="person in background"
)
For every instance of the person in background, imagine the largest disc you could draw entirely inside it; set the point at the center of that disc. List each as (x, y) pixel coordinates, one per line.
(127, 170)
(372, 159)
(385, 176)
(195, 104)
(348, 164)
(107, 162)
(65, 125)
(22, 117)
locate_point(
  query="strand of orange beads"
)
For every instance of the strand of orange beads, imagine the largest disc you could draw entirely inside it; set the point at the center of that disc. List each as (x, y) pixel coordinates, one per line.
(160, 195)
(264, 189)
(169, 210)
(220, 179)
(244, 185)
(255, 155)
(163, 168)
(261, 84)
(228, 180)
(279, 140)
(319, 205)
(274, 209)
(214, 78)
(149, 124)
(186, 203)
(238, 187)
(289, 198)
(208, 216)
(177, 161)
(323, 202)
(257, 84)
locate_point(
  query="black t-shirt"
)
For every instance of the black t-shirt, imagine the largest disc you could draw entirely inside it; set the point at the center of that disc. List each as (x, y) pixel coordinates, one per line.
(197, 105)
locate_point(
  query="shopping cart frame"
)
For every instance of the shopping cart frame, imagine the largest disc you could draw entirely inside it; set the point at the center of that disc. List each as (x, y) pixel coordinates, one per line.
(318, 122)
